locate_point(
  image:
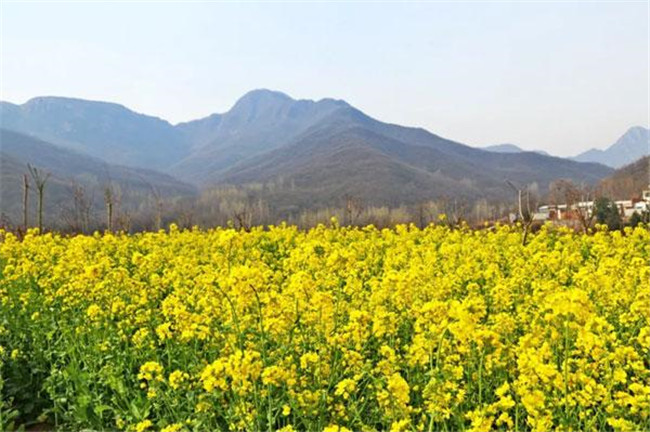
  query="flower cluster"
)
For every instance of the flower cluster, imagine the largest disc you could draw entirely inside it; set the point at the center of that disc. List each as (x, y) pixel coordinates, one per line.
(328, 329)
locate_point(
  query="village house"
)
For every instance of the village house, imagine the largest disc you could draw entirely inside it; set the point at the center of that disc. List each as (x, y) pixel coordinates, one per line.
(560, 212)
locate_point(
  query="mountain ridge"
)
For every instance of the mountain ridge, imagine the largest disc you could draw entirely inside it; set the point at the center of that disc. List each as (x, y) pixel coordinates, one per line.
(228, 137)
(510, 148)
(464, 171)
(632, 145)
(326, 147)
(106, 130)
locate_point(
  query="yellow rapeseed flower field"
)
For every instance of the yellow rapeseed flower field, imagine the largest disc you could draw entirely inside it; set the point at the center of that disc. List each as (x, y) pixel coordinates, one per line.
(335, 329)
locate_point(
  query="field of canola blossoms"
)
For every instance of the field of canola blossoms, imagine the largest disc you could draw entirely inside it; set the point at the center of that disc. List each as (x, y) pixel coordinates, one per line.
(327, 329)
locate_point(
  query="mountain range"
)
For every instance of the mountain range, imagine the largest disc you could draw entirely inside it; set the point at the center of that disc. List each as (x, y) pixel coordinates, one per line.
(632, 145)
(298, 153)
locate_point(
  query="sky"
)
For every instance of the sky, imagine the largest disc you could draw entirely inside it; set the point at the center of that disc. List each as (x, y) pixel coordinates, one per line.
(557, 76)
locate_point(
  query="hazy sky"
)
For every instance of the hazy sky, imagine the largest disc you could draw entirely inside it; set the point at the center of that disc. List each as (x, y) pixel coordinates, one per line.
(559, 76)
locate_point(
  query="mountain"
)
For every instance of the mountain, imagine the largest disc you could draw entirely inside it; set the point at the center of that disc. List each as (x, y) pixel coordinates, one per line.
(308, 153)
(350, 153)
(510, 148)
(634, 144)
(105, 130)
(262, 120)
(296, 154)
(69, 167)
(628, 181)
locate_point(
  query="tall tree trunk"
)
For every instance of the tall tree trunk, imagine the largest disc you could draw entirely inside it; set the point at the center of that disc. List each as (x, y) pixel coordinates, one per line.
(109, 215)
(25, 202)
(40, 178)
(40, 209)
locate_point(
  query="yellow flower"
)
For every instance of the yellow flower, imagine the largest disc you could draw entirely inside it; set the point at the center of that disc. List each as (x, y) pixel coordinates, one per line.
(620, 376)
(140, 337)
(335, 428)
(399, 389)
(174, 427)
(480, 421)
(177, 378)
(345, 387)
(202, 407)
(214, 376)
(164, 331)
(504, 419)
(143, 425)
(411, 321)
(308, 359)
(501, 391)
(151, 371)
(401, 425)
(93, 312)
(622, 425)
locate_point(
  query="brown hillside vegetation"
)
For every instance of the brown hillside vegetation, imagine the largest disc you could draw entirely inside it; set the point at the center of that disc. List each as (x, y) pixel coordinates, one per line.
(629, 181)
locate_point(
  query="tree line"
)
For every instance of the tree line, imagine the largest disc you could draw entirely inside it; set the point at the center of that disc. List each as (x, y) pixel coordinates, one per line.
(244, 207)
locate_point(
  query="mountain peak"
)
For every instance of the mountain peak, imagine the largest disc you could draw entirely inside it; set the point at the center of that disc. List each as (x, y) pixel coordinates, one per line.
(266, 98)
(510, 148)
(104, 130)
(634, 137)
(635, 132)
(263, 96)
(46, 101)
(504, 148)
(632, 145)
(636, 129)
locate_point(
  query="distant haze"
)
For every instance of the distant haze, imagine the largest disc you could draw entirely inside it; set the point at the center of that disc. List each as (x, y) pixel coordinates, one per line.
(558, 77)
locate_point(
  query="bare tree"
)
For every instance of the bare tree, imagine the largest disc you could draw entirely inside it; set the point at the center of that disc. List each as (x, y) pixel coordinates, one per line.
(186, 218)
(525, 213)
(421, 215)
(353, 209)
(109, 199)
(40, 179)
(248, 210)
(577, 199)
(585, 211)
(5, 223)
(159, 210)
(243, 214)
(158, 203)
(25, 202)
(243, 218)
(123, 221)
(77, 217)
(453, 210)
(426, 211)
(83, 206)
(158, 206)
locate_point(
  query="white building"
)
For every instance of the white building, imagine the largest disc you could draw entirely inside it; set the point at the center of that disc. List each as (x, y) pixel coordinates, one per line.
(560, 212)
